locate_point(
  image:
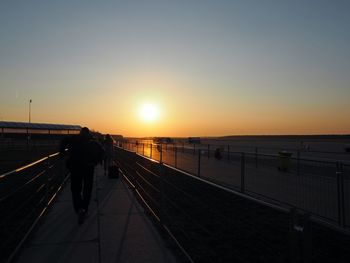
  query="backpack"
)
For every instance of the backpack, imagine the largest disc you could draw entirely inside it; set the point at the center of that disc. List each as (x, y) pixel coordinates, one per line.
(96, 152)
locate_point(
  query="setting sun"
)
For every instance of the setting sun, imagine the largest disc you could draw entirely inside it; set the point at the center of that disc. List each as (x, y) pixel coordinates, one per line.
(148, 112)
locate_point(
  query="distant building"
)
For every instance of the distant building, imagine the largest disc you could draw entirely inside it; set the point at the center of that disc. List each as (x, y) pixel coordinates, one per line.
(194, 140)
(162, 140)
(36, 130)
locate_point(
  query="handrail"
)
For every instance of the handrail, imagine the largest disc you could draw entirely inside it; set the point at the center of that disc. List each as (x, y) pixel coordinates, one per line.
(45, 191)
(158, 218)
(167, 200)
(28, 165)
(35, 223)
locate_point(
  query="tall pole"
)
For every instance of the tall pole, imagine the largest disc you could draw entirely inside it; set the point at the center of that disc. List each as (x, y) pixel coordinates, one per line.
(29, 120)
(30, 108)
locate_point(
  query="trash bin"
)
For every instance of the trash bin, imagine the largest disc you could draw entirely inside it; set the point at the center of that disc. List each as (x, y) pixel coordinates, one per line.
(284, 158)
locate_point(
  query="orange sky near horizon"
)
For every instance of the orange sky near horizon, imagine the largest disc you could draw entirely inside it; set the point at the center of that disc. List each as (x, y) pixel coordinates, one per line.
(183, 111)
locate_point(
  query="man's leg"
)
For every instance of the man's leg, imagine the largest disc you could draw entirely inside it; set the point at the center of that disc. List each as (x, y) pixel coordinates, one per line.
(76, 185)
(87, 190)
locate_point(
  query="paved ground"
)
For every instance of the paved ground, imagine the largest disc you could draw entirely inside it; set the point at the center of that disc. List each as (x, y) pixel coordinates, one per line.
(117, 230)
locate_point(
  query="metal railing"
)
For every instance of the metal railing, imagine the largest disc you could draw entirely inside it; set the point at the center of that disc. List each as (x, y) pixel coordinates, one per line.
(213, 223)
(25, 195)
(317, 187)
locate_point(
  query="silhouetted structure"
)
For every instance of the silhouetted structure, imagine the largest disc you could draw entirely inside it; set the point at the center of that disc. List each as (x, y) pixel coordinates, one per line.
(9, 129)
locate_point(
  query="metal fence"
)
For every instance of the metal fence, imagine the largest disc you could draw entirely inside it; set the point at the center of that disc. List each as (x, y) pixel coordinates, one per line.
(20, 153)
(25, 194)
(318, 187)
(211, 223)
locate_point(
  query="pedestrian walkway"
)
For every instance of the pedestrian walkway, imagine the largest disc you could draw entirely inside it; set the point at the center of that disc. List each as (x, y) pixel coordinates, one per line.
(117, 230)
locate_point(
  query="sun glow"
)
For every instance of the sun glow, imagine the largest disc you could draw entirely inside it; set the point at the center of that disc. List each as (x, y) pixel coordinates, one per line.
(148, 112)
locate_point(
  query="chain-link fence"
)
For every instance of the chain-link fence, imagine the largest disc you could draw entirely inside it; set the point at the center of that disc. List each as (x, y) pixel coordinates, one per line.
(211, 223)
(318, 187)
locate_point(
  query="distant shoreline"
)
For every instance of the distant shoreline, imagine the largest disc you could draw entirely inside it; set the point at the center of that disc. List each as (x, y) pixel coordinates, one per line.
(262, 137)
(318, 136)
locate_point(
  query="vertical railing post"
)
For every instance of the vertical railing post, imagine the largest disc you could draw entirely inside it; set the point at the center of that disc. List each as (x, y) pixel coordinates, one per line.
(162, 193)
(208, 151)
(63, 169)
(194, 149)
(199, 164)
(151, 149)
(298, 162)
(161, 153)
(340, 191)
(228, 152)
(183, 147)
(143, 149)
(242, 172)
(47, 187)
(175, 154)
(300, 237)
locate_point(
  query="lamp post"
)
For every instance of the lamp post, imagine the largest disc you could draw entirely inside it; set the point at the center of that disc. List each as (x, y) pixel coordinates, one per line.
(30, 108)
(29, 120)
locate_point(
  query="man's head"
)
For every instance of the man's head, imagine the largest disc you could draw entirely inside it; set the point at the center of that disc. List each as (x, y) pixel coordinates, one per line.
(85, 133)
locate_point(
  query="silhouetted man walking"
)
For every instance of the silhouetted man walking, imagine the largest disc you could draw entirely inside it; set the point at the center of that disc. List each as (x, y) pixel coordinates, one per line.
(109, 151)
(83, 155)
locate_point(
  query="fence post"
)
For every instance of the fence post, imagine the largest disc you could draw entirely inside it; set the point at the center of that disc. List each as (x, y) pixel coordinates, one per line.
(143, 149)
(199, 164)
(298, 162)
(175, 149)
(194, 149)
(300, 237)
(162, 197)
(151, 148)
(242, 172)
(340, 191)
(63, 169)
(161, 153)
(228, 152)
(47, 181)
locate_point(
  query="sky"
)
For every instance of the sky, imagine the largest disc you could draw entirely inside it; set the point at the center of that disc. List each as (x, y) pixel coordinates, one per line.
(206, 68)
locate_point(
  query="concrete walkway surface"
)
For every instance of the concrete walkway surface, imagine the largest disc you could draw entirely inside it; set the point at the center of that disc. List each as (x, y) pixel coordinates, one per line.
(117, 230)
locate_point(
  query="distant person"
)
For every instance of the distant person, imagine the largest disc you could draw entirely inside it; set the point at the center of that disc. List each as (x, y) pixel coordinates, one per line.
(217, 154)
(83, 155)
(109, 152)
